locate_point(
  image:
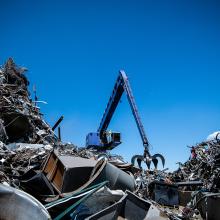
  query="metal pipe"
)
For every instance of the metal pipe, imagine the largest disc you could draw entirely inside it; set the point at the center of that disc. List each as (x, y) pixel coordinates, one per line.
(57, 123)
(59, 133)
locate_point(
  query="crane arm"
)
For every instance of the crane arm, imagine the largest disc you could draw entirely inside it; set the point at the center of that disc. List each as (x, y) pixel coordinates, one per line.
(121, 85)
(112, 104)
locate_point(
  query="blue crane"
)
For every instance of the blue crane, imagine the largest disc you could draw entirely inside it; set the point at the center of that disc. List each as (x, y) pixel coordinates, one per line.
(107, 140)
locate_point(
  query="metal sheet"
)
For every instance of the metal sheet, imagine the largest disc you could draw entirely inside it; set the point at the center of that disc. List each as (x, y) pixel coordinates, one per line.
(18, 205)
(130, 207)
(68, 173)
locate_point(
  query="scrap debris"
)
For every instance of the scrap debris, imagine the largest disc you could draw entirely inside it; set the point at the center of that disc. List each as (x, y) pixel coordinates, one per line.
(56, 180)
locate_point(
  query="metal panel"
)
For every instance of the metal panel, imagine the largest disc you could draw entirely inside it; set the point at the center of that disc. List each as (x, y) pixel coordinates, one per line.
(16, 204)
(67, 173)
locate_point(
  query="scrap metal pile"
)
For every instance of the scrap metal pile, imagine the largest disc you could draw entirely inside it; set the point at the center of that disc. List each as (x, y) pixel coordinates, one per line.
(194, 188)
(43, 178)
(204, 165)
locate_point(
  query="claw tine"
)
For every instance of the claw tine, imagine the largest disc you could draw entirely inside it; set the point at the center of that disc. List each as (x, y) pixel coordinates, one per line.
(139, 159)
(139, 163)
(155, 162)
(134, 158)
(161, 157)
(148, 163)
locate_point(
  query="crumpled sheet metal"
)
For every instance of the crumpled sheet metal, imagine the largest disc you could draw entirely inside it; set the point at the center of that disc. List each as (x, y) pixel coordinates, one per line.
(130, 207)
(97, 201)
(18, 205)
(15, 163)
(102, 199)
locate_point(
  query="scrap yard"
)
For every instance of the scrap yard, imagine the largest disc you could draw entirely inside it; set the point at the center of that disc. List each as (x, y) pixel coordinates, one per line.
(43, 177)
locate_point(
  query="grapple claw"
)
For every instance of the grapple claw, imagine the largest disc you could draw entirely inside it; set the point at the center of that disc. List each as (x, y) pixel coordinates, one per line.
(155, 162)
(154, 158)
(147, 160)
(139, 159)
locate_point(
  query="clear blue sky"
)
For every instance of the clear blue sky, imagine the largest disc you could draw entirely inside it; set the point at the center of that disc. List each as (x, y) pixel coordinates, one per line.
(169, 49)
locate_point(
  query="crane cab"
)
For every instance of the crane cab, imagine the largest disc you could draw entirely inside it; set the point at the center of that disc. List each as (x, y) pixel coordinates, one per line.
(105, 141)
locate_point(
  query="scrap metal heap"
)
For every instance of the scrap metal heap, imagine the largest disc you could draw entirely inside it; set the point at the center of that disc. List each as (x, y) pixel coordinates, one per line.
(194, 187)
(42, 178)
(21, 125)
(204, 165)
(20, 118)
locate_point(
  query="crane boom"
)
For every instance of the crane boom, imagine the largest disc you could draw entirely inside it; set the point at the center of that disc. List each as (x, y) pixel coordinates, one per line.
(122, 85)
(103, 139)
